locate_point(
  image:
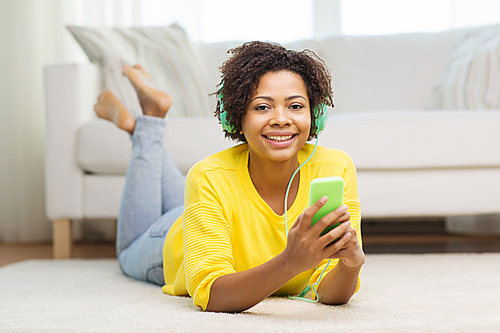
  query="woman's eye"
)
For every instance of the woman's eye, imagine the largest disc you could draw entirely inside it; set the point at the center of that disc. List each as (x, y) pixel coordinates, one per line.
(261, 108)
(296, 107)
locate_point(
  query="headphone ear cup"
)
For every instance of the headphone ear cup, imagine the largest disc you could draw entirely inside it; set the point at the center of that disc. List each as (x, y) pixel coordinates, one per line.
(226, 125)
(321, 112)
(223, 120)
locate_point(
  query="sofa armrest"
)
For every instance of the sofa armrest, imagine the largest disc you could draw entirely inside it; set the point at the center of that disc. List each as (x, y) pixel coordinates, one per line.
(70, 91)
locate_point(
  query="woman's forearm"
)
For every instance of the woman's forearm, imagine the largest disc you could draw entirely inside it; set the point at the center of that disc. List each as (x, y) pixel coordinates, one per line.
(240, 291)
(338, 286)
(305, 249)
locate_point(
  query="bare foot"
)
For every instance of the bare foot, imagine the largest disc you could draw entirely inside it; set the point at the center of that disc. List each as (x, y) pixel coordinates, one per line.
(153, 102)
(109, 107)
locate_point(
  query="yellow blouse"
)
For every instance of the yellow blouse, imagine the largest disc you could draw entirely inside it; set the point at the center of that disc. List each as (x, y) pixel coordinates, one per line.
(227, 227)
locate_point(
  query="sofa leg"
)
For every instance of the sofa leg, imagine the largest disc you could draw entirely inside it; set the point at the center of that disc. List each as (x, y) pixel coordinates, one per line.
(61, 238)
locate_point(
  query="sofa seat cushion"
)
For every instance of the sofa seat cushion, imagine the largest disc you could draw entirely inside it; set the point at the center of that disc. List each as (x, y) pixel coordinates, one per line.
(102, 148)
(381, 140)
(416, 139)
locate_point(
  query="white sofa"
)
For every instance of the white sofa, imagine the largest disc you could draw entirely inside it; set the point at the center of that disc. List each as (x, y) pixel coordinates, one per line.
(411, 161)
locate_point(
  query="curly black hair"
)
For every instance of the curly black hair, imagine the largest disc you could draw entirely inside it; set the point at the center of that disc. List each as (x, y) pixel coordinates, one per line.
(241, 73)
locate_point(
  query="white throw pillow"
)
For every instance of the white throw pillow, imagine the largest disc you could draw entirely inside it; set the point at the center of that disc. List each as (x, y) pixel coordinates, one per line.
(471, 78)
(165, 52)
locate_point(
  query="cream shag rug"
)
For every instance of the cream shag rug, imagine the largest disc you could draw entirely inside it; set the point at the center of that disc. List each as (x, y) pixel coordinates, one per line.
(399, 293)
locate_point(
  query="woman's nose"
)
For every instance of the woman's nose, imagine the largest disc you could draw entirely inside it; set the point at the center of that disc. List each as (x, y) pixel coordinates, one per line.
(280, 117)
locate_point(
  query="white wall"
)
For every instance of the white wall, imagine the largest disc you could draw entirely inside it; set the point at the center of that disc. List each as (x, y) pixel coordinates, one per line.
(27, 42)
(32, 34)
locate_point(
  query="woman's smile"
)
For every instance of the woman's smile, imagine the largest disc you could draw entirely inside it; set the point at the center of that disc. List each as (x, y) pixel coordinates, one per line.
(280, 141)
(279, 138)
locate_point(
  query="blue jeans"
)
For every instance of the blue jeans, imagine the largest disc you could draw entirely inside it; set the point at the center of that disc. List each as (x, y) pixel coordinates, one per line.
(153, 199)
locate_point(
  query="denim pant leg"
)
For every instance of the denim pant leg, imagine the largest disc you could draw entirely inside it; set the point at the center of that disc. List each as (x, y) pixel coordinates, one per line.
(143, 259)
(141, 203)
(172, 184)
(153, 193)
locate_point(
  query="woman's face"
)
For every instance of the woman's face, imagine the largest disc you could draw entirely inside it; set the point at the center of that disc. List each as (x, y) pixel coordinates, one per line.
(278, 119)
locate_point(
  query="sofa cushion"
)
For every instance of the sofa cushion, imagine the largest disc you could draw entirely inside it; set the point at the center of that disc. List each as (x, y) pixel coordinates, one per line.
(402, 139)
(471, 78)
(389, 72)
(166, 52)
(375, 140)
(102, 148)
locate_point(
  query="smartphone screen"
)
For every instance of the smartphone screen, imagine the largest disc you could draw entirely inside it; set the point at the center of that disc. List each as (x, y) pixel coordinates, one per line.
(333, 188)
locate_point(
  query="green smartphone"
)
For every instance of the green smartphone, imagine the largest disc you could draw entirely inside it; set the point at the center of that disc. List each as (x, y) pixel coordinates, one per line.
(333, 188)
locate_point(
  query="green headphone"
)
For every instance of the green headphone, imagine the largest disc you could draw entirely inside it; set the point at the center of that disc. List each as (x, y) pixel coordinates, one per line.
(320, 112)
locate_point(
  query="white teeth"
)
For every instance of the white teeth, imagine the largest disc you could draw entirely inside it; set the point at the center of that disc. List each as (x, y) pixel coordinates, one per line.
(280, 138)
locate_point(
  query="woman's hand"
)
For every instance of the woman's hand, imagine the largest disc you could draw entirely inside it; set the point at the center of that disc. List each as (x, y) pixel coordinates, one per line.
(306, 247)
(351, 254)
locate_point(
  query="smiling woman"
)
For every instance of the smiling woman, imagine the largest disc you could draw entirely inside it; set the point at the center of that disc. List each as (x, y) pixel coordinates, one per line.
(199, 236)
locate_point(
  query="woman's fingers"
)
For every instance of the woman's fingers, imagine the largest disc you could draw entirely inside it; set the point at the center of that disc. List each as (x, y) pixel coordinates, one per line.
(339, 215)
(308, 214)
(345, 246)
(338, 236)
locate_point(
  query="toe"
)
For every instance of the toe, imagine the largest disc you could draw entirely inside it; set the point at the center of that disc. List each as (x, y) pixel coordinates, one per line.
(142, 71)
(102, 95)
(125, 69)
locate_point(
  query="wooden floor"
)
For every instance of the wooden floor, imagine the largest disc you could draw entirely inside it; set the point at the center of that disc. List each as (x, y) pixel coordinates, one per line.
(10, 253)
